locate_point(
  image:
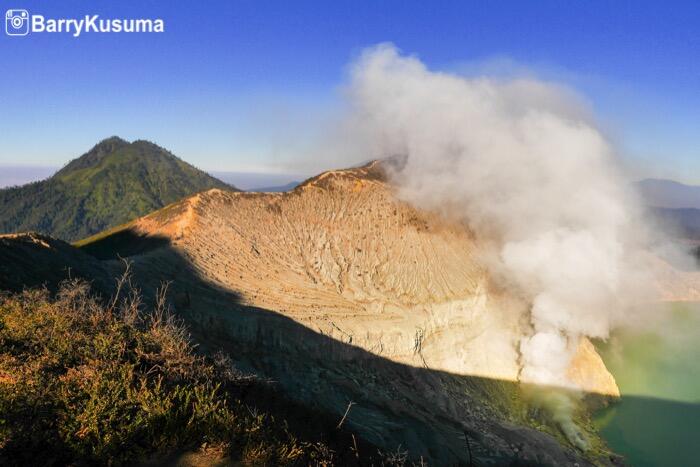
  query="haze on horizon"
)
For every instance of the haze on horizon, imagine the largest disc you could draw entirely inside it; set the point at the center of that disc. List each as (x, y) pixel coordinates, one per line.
(248, 89)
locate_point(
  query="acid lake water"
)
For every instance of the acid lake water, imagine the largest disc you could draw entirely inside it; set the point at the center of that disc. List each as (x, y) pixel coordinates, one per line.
(657, 367)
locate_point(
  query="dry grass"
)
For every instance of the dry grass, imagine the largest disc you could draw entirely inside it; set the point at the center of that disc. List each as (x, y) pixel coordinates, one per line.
(86, 383)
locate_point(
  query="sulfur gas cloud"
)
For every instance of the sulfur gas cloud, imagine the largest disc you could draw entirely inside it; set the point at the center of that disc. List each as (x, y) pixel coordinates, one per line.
(523, 164)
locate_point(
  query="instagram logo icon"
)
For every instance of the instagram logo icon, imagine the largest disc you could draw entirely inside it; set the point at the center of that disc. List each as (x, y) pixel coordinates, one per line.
(17, 22)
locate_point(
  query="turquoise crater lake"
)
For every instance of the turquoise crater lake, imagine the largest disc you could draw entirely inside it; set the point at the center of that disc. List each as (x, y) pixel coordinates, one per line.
(657, 367)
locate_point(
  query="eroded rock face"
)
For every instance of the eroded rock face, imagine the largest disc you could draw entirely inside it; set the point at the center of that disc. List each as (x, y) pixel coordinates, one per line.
(342, 255)
(585, 371)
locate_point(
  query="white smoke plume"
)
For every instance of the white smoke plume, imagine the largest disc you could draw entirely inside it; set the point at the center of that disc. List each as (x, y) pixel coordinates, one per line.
(523, 164)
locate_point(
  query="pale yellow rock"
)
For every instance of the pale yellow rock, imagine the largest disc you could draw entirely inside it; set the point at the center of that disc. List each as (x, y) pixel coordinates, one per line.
(588, 371)
(342, 255)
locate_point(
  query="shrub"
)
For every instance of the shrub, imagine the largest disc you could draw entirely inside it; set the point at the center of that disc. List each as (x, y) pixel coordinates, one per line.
(83, 382)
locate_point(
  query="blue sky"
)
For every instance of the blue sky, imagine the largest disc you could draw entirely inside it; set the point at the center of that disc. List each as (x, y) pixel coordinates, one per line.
(228, 81)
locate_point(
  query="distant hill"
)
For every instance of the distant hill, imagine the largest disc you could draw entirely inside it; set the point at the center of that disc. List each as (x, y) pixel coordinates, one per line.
(261, 181)
(278, 189)
(114, 182)
(669, 194)
(682, 222)
(674, 205)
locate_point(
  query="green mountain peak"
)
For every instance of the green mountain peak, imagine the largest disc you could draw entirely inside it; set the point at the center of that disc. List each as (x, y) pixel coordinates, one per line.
(113, 183)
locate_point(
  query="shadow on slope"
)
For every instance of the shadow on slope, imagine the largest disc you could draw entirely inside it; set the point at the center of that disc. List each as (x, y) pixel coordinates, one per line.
(123, 244)
(33, 260)
(445, 418)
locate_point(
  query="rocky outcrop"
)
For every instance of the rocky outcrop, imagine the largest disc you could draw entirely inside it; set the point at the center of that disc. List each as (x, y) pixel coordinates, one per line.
(342, 255)
(585, 371)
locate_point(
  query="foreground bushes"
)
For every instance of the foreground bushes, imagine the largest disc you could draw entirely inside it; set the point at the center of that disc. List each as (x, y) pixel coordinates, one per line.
(86, 383)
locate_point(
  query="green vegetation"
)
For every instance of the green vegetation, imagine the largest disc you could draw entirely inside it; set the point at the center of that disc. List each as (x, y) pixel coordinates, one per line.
(113, 183)
(84, 383)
